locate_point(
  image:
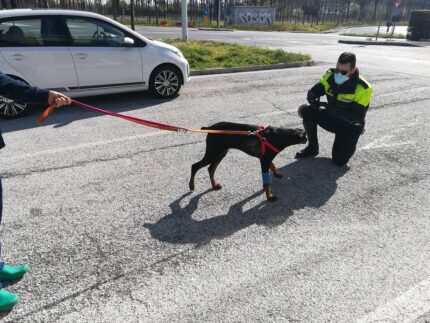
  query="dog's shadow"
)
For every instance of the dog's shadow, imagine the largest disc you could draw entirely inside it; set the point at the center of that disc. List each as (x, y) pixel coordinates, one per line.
(306, 183)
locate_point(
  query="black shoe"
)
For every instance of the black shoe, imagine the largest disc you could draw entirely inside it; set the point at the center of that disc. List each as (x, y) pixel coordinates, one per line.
(312, 149)
(309, 151)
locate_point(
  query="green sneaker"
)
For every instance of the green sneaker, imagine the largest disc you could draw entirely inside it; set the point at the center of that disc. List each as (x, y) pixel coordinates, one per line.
(8, 273)
(7, 300)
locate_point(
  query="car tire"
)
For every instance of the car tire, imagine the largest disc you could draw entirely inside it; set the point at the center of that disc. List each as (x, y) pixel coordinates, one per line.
(11, 109)
(165, 81)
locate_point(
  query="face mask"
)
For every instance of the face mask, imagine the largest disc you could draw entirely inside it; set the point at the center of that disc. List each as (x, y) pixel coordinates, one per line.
(340, 79)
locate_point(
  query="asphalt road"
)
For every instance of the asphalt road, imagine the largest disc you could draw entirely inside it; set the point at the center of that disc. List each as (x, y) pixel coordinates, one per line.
(100, 208)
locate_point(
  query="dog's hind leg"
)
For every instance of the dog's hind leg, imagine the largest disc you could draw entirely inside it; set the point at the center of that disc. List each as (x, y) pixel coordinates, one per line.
(208, 158)
(213, 167)
(275, 171)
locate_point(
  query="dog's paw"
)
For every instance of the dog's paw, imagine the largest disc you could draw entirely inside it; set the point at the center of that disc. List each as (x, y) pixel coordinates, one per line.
(278, 175)
(217, 186)
(273, 198)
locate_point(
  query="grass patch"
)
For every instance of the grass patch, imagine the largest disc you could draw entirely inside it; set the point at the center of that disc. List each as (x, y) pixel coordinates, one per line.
(211, 54)
(381, 35)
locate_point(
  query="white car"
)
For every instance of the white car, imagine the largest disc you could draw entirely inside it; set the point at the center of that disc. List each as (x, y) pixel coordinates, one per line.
(82, 54)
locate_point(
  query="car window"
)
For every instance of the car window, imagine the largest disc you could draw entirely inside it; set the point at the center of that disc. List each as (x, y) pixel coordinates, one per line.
(39, 31)
(94, 33)
(20, 32)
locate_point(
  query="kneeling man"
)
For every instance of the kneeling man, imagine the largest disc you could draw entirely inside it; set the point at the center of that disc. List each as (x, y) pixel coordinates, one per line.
(348, 95)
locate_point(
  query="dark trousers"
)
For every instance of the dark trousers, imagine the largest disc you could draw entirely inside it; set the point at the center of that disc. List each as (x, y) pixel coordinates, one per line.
(346, 138)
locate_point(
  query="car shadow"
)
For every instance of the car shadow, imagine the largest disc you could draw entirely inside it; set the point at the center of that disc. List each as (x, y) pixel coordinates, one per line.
(63, 116)
(306, 183)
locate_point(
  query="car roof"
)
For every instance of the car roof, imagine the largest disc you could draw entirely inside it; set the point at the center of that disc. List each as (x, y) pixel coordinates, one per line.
(37, 12)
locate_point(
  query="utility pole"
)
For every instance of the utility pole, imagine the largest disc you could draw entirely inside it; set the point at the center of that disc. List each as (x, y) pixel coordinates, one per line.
(132, 13)
(184, 14)
(218, 18)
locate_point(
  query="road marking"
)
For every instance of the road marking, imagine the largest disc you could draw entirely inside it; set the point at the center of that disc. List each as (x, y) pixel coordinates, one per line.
(403, 91)
(382, 142)
(89, 145)
(374, 145)
(406, 308)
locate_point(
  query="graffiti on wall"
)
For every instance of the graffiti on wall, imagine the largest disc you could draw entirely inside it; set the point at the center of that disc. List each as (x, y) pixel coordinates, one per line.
(256, 17)
(252, 15)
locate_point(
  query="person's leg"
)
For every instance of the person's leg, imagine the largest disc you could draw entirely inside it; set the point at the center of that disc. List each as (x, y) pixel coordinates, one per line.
(1, 201)
(311, 118)
(344, 146)
(7, 273)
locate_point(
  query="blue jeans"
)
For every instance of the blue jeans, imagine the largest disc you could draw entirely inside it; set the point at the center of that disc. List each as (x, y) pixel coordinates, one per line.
(1, 201)
(1, 210)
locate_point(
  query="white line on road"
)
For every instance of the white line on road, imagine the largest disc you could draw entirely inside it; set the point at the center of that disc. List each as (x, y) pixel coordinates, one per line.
(374, 145)
(405, 308)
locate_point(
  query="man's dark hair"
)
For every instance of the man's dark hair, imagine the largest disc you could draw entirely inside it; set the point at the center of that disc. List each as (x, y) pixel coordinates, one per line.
(348, 57)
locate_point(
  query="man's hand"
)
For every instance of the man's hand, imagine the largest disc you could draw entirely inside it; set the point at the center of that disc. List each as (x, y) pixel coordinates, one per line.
(312, 98)
(301, 110)
(58, 99)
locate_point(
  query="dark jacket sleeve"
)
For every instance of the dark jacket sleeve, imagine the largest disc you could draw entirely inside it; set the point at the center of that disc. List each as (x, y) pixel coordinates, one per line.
(317, 90)
(19, 91)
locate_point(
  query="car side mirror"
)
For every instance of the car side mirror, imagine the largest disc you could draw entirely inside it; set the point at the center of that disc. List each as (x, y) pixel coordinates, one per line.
(128, 42)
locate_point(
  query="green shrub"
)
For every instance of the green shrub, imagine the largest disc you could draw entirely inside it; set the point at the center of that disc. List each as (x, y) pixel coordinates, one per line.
(419, 25)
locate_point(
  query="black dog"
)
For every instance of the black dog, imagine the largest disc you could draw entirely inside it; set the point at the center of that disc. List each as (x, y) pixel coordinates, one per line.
(262, 143)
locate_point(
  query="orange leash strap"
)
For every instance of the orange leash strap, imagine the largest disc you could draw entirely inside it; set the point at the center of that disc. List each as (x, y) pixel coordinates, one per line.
(45, 114)
(163, 126)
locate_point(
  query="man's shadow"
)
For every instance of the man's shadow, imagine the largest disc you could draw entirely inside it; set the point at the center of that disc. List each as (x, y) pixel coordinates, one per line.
(306, 183)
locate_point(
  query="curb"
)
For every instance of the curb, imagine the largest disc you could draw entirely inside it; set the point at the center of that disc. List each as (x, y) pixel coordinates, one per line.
(382, 43)
(215, 29)
(227, 70)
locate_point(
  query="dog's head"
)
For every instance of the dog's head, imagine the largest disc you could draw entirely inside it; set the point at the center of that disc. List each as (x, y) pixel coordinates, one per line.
(290, 137)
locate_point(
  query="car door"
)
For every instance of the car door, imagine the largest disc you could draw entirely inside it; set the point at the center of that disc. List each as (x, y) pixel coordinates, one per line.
(37, 48)
(100, 57)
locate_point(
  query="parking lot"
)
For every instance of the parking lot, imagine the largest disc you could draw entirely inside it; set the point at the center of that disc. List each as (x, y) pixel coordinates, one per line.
(100, 208)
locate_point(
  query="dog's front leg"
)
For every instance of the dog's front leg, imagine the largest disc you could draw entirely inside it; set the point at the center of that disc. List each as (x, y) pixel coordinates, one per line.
(275, 171)
(265, 165)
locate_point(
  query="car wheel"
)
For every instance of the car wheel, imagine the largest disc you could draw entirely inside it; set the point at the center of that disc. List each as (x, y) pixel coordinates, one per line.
(10, 109)
(165, 81)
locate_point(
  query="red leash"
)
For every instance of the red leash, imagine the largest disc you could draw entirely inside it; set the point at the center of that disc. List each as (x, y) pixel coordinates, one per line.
(162, 126)
(132, 119)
